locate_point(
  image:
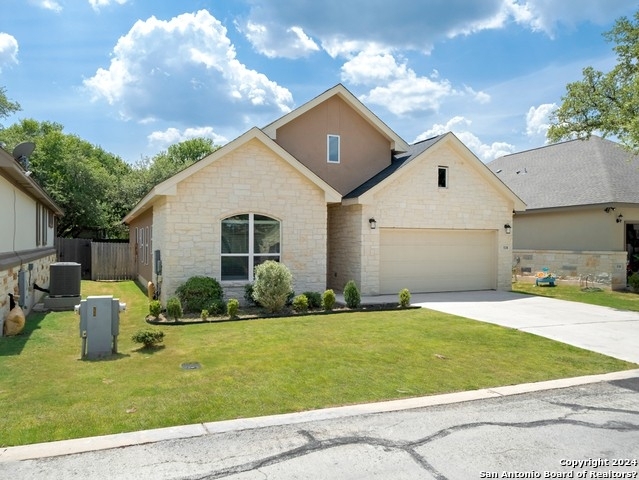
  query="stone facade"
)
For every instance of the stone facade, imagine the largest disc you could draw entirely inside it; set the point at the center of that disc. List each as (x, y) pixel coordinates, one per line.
(249, 179)
(604, 268)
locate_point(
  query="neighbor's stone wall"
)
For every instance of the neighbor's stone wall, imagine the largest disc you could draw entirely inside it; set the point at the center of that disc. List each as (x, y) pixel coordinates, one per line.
(9, 284)
(250, 179)
(605, 268)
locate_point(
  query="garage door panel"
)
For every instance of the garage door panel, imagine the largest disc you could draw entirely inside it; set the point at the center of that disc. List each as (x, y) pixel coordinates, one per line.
(424, 260)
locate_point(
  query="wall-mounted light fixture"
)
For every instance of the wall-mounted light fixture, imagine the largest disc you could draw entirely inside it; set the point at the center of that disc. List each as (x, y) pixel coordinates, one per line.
(373, 223)
(609, 209)
(508, 228)
(619, 218)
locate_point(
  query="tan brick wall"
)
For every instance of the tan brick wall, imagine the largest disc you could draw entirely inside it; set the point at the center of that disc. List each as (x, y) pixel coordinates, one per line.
(250, 179)
(605, 268)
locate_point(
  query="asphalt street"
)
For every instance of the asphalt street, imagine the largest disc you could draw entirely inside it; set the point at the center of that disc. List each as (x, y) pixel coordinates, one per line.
(589, 430)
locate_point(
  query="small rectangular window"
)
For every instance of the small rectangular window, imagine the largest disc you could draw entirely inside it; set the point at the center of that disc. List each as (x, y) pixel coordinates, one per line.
(442, 177)
(332, 149)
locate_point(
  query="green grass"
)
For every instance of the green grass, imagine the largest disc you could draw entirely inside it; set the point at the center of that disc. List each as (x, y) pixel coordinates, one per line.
(620, 300)
(256, 367)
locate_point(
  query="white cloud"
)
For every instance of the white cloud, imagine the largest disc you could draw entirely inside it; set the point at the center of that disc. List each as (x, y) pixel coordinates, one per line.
(273, 42)
(48, 5)
(458, 125)
(8, 49)
(538, 119)
(97, 4)
(185, 70)
(172, 136)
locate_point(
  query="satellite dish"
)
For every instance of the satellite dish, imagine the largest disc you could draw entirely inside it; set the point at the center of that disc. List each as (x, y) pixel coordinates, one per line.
(21, 153)
(23, 150)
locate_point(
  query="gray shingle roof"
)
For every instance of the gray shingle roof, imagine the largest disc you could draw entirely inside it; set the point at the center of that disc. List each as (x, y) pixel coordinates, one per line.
(398, 161)
(576, 172)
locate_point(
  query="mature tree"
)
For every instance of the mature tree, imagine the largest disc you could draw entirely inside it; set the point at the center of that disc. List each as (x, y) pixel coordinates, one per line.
(82, 178)
(7, 107)
(607, 103)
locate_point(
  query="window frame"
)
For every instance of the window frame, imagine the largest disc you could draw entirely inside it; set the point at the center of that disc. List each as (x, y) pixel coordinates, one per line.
(251, 254)
(329, 158)
(442, 169)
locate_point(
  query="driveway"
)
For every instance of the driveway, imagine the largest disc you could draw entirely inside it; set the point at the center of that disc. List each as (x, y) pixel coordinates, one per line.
(600, 329)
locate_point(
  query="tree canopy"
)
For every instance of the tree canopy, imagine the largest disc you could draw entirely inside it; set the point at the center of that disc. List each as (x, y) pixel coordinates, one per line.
(96, 189)
(605, 103)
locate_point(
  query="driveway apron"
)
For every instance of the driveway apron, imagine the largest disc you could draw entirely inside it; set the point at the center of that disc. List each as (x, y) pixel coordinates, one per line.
(600, 329)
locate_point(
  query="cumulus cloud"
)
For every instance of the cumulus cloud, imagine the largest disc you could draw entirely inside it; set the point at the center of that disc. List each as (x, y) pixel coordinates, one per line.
(538, 119)
(97, 4)
(171, 136)
(274, 42)
(185, 70)
(48, 5)
(459, 125)
(8, 49)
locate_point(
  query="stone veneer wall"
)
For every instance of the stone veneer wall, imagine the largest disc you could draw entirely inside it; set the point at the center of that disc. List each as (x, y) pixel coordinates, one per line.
(606, 268)
(345, 246)
(9, 284)
(250, 179)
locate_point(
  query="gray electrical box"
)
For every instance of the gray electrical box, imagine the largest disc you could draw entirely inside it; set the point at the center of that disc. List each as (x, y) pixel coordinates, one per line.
(99, 325)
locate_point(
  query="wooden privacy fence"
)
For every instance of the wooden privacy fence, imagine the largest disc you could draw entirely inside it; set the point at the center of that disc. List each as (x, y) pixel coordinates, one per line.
(99, 260)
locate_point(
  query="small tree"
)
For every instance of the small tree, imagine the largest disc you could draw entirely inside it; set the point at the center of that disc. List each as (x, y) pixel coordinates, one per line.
(272, 286)
(174, 308)
(351, 295)
(404, 298)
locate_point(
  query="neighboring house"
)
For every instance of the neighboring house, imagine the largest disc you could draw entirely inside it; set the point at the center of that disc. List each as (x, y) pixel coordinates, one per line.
(582, 209)
(336, 195)
(27, 234)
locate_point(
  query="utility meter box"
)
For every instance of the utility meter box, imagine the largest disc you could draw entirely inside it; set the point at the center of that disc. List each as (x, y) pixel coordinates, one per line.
(99, 325)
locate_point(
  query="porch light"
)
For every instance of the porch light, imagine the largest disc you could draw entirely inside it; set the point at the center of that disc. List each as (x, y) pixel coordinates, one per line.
(372, 223)
(508, 228)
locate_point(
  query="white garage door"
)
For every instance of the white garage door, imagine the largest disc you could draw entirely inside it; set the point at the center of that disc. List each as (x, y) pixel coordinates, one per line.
(425, 260)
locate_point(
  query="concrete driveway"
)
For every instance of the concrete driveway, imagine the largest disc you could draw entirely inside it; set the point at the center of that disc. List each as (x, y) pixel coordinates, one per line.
(600, 329)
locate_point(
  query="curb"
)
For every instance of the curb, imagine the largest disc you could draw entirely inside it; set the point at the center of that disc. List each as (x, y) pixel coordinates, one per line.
(119, 440)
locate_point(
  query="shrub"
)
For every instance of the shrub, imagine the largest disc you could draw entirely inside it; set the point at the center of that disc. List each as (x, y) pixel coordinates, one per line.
(232, 307)
(198, 293)
(328, 300)
(272, 286)
(204, 315)
(633, 281)
(149, 337)
(351, 295)
(404, 298)
(217, 307)
(314, 299)
(174, 308)
(155, 308)
(300, 303)
(248, 294)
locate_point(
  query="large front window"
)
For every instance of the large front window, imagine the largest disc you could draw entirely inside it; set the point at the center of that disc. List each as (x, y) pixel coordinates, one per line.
(247, 241)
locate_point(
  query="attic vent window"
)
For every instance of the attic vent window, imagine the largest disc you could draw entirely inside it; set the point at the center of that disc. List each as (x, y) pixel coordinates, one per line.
(332, 149)
(442, 177)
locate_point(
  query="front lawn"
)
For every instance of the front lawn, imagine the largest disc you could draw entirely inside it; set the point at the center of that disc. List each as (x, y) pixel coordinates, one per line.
(620, 300)
(256, 367)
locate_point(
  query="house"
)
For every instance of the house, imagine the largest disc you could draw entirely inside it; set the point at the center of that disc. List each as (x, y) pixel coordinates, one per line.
(336, 195)
(582, 214)
(27, 234)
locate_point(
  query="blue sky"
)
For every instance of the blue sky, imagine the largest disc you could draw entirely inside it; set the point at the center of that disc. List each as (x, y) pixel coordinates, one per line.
(135, 76)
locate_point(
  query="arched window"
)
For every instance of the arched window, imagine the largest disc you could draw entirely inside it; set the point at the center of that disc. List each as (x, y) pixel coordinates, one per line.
(248, 240)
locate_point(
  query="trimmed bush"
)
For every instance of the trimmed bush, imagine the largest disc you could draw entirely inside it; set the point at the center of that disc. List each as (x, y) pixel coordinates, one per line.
(204, 315)
(248, 294)
(232, 307)
(633, 281)
(328, 300)
(198, 293)
(217, 307)
(174, 308)
(314, 299)
(272, 286)
(300, 303)
(351, 295)
(404, 298)
(155, 308)
(149, 337)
